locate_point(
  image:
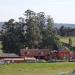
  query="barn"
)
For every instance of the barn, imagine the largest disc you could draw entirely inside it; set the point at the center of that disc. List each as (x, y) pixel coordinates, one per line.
(65, 53)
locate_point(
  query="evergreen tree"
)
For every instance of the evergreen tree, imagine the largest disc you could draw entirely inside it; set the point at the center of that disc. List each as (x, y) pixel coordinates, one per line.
(36, 30)
(12, 37)
(33, 32)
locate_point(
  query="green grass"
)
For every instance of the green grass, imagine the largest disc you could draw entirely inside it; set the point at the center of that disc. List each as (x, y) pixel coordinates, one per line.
(36, 68)
(66, 40)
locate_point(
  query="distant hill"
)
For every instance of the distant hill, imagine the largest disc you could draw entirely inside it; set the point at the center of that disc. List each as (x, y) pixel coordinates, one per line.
(58, 25)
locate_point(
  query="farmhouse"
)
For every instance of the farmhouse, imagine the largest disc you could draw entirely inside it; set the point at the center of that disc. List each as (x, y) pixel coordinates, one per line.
(37, 53)
(32, 55)
(48, 54)
(13, 58)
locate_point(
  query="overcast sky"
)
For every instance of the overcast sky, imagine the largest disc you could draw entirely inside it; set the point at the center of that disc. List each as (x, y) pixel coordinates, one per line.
(62, 11)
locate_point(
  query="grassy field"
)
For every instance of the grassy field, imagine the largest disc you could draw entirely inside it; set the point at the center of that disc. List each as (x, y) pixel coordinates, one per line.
(66, 40)
(36, 68)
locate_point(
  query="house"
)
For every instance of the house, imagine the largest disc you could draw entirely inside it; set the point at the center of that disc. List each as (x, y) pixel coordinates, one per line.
(10, 58)
(32, 55)
(37, 53)
(65, 53)
(48, 54)
(13, 60)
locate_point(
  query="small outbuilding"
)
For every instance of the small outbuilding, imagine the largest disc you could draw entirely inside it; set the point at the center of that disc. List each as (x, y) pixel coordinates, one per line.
(65, 53)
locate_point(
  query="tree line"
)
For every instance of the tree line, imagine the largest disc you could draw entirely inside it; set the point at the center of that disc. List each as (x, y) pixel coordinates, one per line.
(34, 30)
(66, 31)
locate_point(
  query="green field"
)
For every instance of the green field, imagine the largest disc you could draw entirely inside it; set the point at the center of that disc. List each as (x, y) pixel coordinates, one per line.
(66, 40)
(36, 68)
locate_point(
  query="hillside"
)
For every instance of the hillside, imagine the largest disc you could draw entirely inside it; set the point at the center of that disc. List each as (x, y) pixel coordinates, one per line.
(58, 25)
(66, 40)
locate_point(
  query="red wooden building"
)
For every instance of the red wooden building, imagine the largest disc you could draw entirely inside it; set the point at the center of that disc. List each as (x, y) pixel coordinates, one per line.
(65, 53)
(36, 53)
(47, 54)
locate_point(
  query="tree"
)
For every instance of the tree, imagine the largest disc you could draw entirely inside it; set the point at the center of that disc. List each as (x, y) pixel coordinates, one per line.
(70, 41)
(33, 32)
(12, 37)
(50, 37)
(36, 30)
(62, 33)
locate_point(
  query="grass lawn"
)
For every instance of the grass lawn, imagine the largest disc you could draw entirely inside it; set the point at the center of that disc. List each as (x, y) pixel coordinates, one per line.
(36, 68)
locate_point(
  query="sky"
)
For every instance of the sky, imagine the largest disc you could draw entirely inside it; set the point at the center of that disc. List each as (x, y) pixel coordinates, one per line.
(62, 11)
